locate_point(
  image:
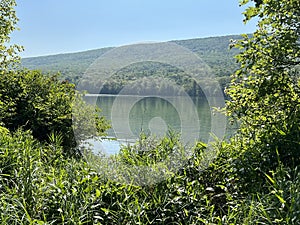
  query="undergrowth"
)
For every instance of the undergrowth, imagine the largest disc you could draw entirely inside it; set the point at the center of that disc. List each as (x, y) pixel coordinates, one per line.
(40, 185)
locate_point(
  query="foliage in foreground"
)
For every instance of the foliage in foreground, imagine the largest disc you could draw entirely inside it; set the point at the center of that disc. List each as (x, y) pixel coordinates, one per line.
(8, 19)
(39, 185)
(45, 105)
(265, 91)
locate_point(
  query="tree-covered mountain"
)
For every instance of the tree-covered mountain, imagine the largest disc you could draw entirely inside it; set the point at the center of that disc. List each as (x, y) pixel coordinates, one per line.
(70, 65)
(214, 51)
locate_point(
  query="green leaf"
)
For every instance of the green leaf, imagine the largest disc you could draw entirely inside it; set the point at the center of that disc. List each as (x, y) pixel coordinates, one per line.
(98, 193)
(270, 178)
(280, 199)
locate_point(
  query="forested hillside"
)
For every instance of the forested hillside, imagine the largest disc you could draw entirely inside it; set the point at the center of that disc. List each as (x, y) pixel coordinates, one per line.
(70, 65)
(214, 51)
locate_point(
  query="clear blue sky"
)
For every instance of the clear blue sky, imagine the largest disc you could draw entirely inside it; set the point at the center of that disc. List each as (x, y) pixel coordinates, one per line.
(60, 26)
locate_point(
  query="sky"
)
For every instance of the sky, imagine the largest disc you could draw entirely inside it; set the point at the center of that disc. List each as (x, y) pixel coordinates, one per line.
(62, 26)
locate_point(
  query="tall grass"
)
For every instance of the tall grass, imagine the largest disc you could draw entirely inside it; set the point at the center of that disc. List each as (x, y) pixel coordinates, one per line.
(40, 185)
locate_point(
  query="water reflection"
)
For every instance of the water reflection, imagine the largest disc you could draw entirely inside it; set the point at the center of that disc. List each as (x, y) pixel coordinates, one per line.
(152, 115)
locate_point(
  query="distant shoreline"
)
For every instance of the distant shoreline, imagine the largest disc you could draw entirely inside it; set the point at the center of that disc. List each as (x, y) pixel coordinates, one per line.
(142, 96)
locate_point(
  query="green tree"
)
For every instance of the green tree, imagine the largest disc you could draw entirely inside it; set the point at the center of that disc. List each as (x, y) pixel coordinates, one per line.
(42, 104)
(45, 105)
(264, 93)
(8, 21)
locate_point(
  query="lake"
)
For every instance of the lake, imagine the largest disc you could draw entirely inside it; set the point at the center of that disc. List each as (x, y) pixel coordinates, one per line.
(193, 117)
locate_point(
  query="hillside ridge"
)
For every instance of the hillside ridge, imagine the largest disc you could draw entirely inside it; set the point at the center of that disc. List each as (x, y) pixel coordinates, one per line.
(214, 51)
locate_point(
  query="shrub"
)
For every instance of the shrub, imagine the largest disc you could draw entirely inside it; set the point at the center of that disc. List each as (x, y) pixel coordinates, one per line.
(43, 104)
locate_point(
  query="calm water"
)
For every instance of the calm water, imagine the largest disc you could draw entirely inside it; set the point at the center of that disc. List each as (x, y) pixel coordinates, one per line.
(130, 115)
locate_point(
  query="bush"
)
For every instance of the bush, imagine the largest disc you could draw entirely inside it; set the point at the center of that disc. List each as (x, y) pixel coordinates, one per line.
(43, 104)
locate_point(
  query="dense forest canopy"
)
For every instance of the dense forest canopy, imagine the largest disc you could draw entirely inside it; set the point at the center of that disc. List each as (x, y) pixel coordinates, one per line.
(214, 51)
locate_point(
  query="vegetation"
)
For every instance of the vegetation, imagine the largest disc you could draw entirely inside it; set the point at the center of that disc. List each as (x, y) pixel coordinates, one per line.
(71, 66)
(8, 53)
(265, 90)
(44, 105)
(146, 78)
(253, 178)
(214, 51)
(39, 185)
